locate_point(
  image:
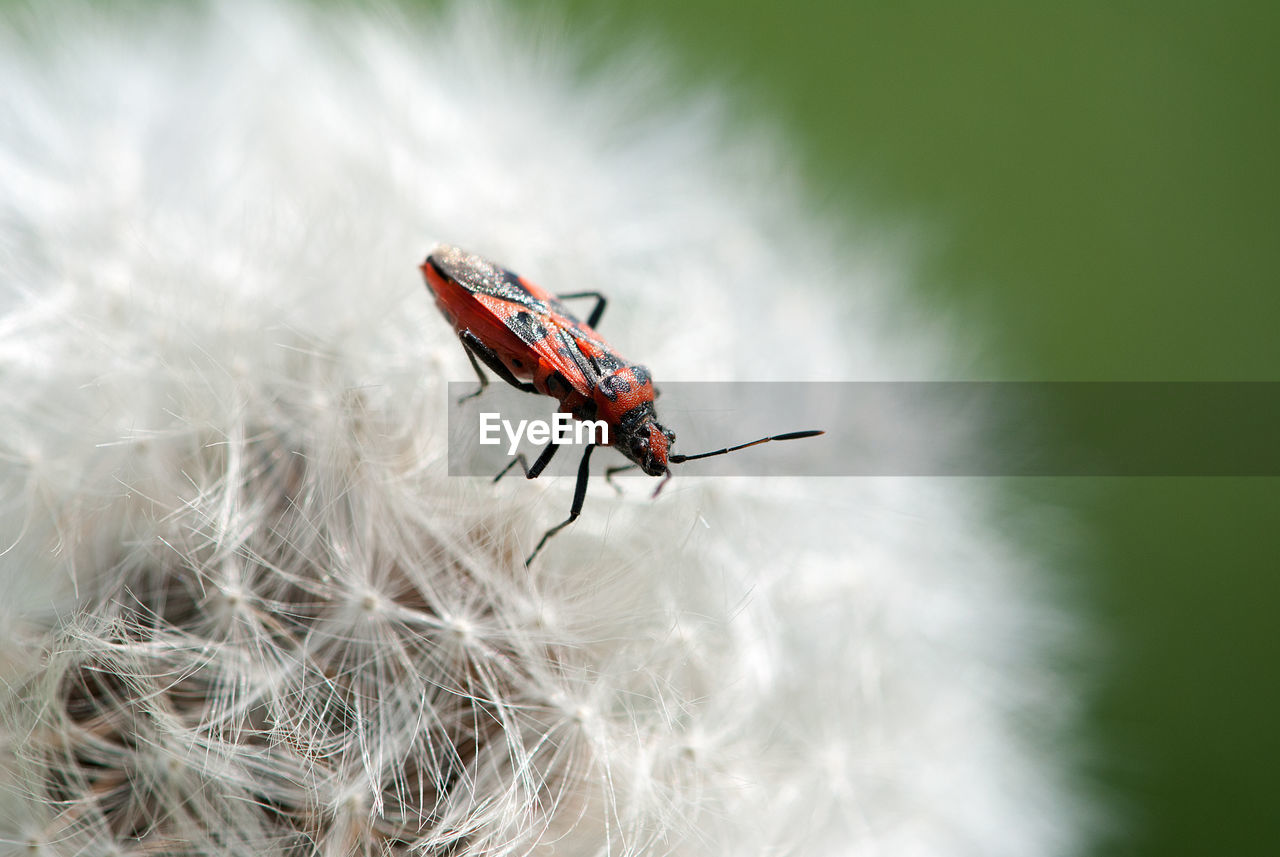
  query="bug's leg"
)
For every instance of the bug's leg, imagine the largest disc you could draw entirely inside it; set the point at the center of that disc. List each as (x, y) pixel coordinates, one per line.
(579, 495)
(475, 348)
(596, 312)
(484, 381)
(609, 474)
(538, 466)
(661, 485)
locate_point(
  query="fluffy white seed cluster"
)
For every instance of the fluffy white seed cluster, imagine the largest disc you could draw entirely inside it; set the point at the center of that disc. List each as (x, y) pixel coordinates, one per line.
(244, 611)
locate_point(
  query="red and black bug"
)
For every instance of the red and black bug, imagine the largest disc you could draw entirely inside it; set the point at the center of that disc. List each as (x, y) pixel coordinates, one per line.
(527, 337)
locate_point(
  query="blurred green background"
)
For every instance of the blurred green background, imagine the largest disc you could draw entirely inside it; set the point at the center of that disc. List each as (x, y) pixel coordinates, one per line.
(1100, 189)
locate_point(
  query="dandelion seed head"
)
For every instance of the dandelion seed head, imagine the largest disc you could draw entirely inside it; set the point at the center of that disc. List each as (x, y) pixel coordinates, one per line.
(244, 610)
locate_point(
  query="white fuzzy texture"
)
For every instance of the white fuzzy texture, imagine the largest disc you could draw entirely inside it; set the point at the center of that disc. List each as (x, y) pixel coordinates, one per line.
(244, 611)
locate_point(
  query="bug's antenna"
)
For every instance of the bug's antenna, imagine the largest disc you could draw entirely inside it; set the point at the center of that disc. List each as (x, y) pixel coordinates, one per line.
(791, 435)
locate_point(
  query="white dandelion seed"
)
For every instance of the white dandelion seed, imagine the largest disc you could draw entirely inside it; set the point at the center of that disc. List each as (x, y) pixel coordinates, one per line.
(243, 609)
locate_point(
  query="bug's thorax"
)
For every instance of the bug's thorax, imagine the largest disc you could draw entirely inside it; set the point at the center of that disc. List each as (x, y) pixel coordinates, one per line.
(624, 395)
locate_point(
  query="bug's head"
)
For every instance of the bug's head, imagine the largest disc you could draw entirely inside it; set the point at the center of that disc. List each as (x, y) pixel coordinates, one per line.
(648, 445)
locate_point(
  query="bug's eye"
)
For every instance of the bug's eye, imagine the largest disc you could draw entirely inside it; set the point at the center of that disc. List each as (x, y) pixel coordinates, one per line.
(639, 447)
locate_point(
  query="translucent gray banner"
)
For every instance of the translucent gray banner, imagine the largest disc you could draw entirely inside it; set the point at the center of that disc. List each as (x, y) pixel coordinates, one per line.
(918, 428)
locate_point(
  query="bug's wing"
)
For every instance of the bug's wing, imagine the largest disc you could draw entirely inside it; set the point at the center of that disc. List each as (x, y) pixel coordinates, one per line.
(542, 324)
(481, 277)
(570, 347)
(543, 336)
(562, 340)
